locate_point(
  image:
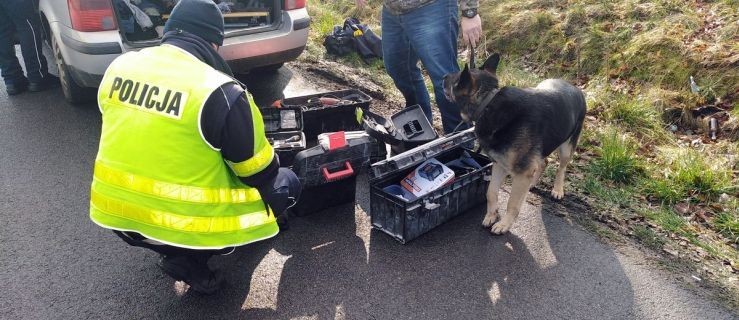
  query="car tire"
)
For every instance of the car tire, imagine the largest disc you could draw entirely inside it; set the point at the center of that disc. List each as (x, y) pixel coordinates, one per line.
(73, 93)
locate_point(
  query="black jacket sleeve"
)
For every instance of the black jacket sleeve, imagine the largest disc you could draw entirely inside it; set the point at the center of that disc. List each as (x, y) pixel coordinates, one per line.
(227, 123)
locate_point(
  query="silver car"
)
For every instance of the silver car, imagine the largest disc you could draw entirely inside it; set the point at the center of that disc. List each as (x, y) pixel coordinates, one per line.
(86, 35)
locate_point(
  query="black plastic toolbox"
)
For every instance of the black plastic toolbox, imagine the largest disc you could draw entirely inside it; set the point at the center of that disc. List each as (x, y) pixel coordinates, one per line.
(406, 220)
(321, 116)
(284, 130)
(328, 172)
(404, 130)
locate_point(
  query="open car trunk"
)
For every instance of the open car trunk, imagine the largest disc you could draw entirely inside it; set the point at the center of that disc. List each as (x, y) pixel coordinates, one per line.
(141, 22)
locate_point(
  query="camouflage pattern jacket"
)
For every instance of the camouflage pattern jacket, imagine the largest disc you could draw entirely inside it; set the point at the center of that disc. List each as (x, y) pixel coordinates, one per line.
(397, 7)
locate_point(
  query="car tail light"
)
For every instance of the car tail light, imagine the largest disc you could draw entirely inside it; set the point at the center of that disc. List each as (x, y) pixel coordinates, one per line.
(92, 15)
(294, 4)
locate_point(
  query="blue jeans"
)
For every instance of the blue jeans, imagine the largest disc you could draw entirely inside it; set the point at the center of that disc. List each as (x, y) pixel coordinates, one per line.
(20, 18)
(428, 34)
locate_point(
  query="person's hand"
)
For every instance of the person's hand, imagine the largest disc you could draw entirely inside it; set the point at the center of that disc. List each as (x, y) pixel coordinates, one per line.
(361, 3)
(471, 30)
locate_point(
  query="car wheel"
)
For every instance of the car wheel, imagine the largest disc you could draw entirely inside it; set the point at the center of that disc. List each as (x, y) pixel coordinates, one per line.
(74, 93)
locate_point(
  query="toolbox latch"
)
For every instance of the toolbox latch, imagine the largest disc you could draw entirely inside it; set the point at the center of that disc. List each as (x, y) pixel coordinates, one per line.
(430, 205)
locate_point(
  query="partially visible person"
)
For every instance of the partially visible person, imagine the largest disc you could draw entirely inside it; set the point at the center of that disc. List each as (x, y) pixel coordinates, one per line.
(19, 18)
(427, 30)
(184, 167)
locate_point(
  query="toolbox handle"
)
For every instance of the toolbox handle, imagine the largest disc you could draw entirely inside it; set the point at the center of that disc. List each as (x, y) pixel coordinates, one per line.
(348, 171)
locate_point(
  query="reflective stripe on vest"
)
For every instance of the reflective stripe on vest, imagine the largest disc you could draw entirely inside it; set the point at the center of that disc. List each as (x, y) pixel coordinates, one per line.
(154, 173)
(175, 221)
(172, 191)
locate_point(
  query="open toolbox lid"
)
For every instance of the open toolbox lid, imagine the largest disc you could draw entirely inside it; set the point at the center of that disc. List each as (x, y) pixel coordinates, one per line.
(283, 119)
(410, 124)
(420, 154)
(327, 100)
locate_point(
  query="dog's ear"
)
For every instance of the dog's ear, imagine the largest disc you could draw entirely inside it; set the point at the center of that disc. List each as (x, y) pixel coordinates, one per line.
(464, 77)
(491, 64)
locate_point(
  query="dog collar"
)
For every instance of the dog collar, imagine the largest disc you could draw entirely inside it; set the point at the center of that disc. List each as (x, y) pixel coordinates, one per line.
(484, 103)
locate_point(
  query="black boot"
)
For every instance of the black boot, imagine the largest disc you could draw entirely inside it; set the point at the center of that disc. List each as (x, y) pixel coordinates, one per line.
(194, 271)
(16, 87)
(48, 82)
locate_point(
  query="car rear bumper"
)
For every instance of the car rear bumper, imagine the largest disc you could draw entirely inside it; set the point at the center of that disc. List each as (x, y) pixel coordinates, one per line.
(285, 43)
(88, 54)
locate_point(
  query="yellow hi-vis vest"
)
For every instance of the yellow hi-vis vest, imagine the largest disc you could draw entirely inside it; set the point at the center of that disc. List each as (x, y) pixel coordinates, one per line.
(155, 174)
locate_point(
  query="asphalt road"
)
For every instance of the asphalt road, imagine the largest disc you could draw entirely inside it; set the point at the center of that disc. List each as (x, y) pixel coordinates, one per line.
(56, 264)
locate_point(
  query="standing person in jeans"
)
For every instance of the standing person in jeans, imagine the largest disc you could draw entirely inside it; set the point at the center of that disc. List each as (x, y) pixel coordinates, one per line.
(20, 18)
(426, 30)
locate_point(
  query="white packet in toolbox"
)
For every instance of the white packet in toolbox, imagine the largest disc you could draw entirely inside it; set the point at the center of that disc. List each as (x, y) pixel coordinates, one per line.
(427, 177)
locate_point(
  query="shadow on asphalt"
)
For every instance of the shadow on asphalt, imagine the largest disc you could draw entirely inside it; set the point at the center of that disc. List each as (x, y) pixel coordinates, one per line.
(457, 271)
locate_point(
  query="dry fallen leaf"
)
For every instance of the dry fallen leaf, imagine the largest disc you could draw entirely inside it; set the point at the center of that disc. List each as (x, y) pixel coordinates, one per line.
(682, 208)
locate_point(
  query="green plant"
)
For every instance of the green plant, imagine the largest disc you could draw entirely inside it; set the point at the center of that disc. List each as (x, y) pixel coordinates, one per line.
(662, 189)
(688, 174)
(618, 197)
(693, 172)
(635, 114)
(617, 159)
(648, 237)
(727, 223)
(666, 218)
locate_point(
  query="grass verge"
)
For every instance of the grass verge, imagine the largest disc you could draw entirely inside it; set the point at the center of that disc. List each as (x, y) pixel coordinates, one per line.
(645, 157)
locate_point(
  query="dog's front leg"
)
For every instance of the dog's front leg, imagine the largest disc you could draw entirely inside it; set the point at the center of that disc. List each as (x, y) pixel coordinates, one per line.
(499, 175)
(519, 190)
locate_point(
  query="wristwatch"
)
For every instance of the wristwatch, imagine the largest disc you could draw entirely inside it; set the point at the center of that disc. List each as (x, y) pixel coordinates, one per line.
(469, 13)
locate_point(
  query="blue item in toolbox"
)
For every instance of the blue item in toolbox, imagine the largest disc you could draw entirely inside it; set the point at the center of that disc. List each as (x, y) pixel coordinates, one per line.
(405, 130)
(328, 171)
(405, 218)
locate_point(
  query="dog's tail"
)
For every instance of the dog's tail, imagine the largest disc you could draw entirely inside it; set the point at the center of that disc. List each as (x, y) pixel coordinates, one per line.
(582, 109)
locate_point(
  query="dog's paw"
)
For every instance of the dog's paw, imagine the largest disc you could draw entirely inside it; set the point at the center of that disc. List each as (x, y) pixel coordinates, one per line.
(558, 194)
(500, 227)
(490, 218)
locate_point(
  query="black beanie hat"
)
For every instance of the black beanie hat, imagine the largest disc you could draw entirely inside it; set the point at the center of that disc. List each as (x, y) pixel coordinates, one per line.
(199, 17)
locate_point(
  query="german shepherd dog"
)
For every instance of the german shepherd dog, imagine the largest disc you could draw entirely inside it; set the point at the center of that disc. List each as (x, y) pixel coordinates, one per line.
(518, 129)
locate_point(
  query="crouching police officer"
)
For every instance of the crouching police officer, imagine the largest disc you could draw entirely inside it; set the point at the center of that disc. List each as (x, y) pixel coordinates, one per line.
(184, 167)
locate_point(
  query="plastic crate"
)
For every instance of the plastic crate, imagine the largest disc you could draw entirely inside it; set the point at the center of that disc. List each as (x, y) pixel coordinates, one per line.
(281, 124)
(406, 220)
(319, 118)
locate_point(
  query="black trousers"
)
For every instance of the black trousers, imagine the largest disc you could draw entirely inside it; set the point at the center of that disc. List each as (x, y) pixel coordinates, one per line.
(281, 194)
(19, 18)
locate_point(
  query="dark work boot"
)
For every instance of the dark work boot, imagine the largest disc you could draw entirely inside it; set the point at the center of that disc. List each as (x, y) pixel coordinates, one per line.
(14, 89)
(17, 87)
(48, 82)
(194, 271)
